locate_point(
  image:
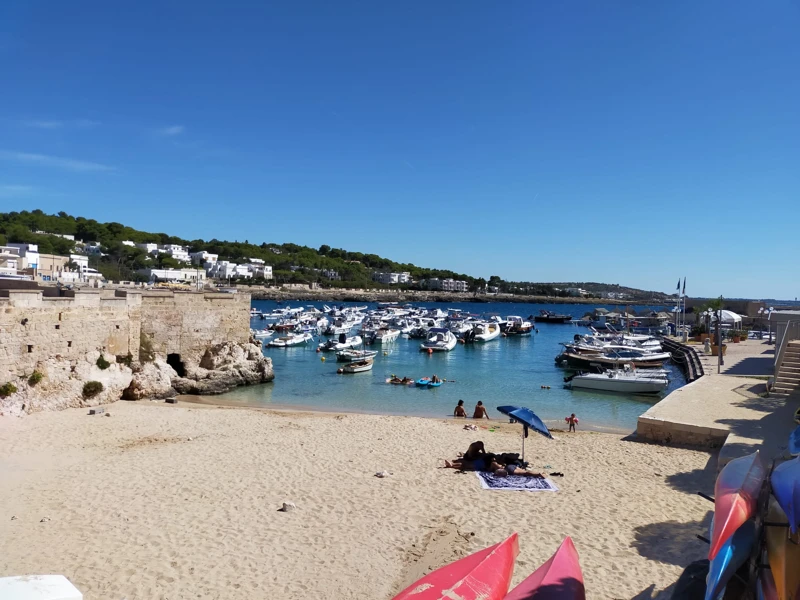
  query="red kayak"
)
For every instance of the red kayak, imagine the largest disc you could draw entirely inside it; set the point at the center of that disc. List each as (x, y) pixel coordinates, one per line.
(560, 578)
(484, 575)
(735, 497)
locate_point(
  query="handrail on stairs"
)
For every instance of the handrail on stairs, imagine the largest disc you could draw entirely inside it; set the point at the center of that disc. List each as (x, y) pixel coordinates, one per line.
(790, 333)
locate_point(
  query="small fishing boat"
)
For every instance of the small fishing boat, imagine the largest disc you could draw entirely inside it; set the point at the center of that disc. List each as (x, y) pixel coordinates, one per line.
(546, 316)
(486, 332)
(735, 497)
(560, 577)
(515, 325)
(732, 554)
(617, 381)
(293, 339)
(353, 355)
(785, 480)
(358, 366)
(484, 575)
(439, 339)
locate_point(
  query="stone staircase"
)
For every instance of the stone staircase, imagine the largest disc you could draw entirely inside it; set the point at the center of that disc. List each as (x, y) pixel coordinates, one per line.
(787, 381)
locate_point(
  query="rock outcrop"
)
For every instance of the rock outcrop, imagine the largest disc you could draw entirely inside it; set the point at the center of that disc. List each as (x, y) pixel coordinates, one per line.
(62, 384)
(224, 367)
(150, 380)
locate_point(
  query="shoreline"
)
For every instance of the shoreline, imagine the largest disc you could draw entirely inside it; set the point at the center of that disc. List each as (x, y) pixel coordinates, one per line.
(355, 295)
(215, 401)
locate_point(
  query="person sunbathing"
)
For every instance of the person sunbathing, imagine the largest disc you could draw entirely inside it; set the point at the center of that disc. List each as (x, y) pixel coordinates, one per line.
(474, 459)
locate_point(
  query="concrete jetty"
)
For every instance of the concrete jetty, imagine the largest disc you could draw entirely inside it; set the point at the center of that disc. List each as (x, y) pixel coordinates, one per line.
(729, 410)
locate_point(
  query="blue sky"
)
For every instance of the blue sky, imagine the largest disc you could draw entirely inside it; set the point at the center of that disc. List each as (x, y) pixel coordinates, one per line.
(624, 142)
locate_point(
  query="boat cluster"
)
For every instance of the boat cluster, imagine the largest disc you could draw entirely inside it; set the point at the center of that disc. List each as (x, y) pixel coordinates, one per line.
(352, 327)
(614, 361)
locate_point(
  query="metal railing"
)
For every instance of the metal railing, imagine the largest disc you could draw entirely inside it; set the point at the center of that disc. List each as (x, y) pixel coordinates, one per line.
(790, 332)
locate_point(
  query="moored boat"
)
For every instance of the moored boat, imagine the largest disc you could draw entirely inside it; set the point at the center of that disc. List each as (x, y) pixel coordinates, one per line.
(546, 316)
(594, 362)
(618, 381)
(351, 355)
(293, 339)
(486, 332)
(343, 343)
(439, 339)
(358, 366)
(515, 325)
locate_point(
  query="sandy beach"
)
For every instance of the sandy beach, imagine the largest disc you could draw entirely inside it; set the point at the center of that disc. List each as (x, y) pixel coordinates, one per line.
(178, 502)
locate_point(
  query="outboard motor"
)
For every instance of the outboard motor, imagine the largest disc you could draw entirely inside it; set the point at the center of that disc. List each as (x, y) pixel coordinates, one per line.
(342, 338)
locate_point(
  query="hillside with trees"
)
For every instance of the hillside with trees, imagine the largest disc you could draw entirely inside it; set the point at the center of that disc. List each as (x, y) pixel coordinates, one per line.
(291, 263)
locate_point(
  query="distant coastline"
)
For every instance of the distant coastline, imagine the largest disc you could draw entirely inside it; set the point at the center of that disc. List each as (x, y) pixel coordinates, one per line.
(355, 295)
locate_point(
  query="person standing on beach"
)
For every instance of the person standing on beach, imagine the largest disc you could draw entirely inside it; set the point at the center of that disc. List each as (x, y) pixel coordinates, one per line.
(480, 411)
(572, 420)
(459, 411)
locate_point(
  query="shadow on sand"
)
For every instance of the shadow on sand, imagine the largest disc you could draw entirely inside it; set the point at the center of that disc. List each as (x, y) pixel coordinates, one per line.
(672, 542)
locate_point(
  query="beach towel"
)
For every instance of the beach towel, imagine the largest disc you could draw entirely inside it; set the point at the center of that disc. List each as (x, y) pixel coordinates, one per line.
(490, 481)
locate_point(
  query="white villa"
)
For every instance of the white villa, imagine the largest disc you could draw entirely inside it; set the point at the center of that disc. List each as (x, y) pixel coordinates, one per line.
(392, 278)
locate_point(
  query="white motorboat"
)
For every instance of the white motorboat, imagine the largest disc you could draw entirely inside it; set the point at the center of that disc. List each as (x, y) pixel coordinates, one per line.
(260, 334)
(439, 339)
(358, 366)
(292, 339)
(486, 332)
(624, 382)
(354, 355)
(341, 344)
(385, 336)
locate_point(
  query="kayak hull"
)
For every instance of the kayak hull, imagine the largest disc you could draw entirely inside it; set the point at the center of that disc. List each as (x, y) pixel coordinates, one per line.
(783, 555)
(785, 480)
(734, 553)
(560, 578)
(735, 497)
(484, 575)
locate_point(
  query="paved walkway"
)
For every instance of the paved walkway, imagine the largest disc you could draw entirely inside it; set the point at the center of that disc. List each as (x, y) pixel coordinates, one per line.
(727, 409)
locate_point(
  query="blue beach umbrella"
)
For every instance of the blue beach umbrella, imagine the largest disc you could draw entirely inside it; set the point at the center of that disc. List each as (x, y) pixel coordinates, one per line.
(528, 419)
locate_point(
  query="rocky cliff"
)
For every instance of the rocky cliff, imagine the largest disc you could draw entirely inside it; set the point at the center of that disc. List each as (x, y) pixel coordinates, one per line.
(224, 367)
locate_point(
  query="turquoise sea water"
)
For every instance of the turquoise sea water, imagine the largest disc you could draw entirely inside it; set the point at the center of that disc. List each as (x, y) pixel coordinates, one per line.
(504, 371)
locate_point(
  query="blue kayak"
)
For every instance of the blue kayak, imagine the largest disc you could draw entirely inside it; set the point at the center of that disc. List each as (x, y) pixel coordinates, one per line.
(794, 442)
(732, 555)
(785, 481)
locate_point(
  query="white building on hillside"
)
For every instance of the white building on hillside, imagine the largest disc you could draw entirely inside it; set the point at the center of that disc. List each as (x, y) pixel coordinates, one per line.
(224, 269)
(262, 270)
(29, 256)
(149, 248)
(66, 236)
(179, 253)
(9, 261)
(93, 248)
(196, 276)
(80, 260)
(392, 278)
(203, 258)
(128, 243)
(448, 285)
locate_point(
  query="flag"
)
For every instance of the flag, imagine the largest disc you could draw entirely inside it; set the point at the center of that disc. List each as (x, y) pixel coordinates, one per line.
(679, 284)
(684, 287)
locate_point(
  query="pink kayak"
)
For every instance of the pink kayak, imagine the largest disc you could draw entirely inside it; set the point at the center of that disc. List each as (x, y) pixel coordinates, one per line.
(735, 497)
(560, 578)
(484, 575)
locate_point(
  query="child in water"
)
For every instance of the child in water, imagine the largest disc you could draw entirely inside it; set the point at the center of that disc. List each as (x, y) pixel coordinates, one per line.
(572, 420)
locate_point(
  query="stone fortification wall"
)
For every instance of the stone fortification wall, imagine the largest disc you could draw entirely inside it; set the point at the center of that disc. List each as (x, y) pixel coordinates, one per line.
(187, 324)
(59, 341)
(35, 329)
